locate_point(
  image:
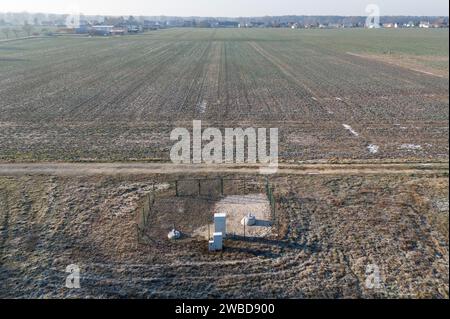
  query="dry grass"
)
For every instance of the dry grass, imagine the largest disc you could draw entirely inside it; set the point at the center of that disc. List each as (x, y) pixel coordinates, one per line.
(330, 229)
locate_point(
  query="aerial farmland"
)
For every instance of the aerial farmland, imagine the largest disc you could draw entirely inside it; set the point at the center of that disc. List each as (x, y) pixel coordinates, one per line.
(86, 178)
(103, 99)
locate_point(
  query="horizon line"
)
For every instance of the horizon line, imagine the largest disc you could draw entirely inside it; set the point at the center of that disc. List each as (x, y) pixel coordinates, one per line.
(228, 17)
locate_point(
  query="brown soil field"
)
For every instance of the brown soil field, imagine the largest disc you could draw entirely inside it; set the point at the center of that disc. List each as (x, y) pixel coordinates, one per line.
(329, 228)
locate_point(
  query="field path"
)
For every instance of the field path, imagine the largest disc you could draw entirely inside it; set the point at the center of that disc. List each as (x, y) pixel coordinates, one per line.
(86, 169)
(400, 64)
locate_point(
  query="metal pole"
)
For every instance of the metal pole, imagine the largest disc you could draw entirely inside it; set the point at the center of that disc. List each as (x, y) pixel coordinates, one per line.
(209, 231)
(138, 233)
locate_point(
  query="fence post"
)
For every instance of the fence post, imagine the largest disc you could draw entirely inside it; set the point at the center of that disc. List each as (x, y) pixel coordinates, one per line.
(138, 234)
(149, 203)
(176, 189)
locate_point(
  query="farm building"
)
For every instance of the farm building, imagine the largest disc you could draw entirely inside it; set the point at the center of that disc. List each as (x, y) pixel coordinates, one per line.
(102, 29)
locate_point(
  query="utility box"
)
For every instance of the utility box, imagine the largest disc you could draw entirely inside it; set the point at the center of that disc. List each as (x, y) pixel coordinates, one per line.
(249, 220)
(217, 243)
(174, 234)
(220, 224)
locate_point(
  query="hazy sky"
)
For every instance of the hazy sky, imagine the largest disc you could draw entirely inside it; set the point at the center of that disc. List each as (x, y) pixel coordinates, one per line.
(229, 8)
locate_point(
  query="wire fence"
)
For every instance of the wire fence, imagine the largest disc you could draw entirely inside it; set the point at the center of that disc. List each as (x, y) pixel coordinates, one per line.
(219, 187)
(271, 197)
(143, 215)
(199, 191)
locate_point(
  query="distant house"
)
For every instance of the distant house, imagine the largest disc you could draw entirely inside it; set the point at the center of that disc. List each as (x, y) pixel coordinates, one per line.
(372, 26)
(134, 29)
(245, 25)
(424, 24)
(390, 25)
(118, 31)
(440, 23)
(228, 24)
(334, 26)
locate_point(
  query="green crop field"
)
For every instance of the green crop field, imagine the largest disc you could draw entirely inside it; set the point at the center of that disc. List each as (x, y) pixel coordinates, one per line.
(414, 43)
(117, 98)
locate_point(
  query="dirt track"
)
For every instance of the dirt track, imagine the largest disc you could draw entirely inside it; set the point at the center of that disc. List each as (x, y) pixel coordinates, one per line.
(84, 169)
(403, 64)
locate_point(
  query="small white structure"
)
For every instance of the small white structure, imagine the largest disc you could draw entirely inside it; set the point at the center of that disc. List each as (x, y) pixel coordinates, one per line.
(217, 243)
(424, 24)
(174, 234)
(249, 220)
(220, 224)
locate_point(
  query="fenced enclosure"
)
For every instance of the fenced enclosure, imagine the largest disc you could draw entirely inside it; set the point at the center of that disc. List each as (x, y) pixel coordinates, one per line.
(188, 205)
